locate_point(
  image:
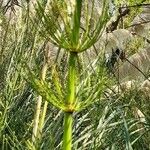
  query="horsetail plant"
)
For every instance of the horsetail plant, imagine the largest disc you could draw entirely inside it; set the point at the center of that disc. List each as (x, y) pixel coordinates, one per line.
(70, 25)
(38, 122)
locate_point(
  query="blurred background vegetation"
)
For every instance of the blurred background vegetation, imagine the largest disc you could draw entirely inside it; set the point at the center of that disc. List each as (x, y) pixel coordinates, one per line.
(120, 117)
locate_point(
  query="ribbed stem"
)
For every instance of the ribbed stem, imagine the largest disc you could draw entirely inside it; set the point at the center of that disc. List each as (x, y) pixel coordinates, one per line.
(42, 118)
(67, 137)
(76, 22)
(71, 89)
(36, 119)
(71, 78)
(38, 107)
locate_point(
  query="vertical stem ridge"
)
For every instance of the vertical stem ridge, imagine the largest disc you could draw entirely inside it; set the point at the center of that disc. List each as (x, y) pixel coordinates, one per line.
(43, 114)
(67, 137)
(71, 78)
(71, 90)
(38, 107)
(76, 22)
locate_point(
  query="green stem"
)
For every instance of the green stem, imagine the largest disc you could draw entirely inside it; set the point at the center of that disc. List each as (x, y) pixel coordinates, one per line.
(67, 137)
(76, 22)
(70, 100)
(71, 78)
(42, 118)
(38, 107)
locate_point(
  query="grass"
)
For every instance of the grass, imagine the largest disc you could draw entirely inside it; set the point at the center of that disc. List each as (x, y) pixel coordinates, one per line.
(96, 121)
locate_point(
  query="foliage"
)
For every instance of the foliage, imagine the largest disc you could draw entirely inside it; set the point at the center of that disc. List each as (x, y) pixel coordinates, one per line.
(119, 120)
